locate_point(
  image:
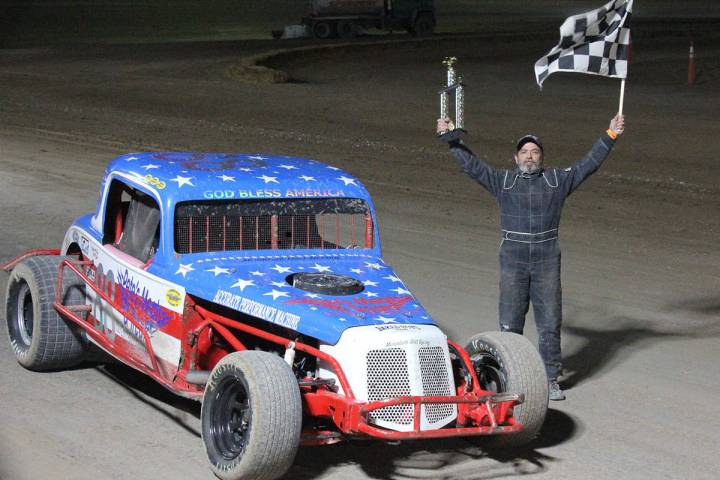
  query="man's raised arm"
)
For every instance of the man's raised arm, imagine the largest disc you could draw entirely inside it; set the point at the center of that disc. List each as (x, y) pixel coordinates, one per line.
(589, 164)
(478, 170)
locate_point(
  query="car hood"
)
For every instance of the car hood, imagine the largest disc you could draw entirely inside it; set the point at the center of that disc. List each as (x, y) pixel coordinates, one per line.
(259, 287)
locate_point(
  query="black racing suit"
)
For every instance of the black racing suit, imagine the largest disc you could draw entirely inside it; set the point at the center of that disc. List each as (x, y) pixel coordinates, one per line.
(530, 206)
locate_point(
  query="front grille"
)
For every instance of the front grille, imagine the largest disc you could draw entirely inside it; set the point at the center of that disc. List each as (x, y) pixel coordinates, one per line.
(435, 383)
(387, 377)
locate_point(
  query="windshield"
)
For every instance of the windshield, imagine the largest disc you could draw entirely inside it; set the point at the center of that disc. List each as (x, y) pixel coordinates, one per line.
(327, 223)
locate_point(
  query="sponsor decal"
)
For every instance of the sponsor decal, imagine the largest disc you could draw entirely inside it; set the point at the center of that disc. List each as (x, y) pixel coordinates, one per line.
(257, 309)
(381, 328)
(173, 297)
(136, 301)
(412, 341)
(84, 244)
(364, 305)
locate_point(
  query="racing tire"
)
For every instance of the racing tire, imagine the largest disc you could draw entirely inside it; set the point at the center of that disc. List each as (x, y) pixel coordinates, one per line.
(251, 416)
(323, 30)
(423, 26)
(508, 362)
(40, 337)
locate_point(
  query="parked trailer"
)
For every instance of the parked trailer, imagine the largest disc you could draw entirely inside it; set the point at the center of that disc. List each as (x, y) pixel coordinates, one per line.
(343, 18)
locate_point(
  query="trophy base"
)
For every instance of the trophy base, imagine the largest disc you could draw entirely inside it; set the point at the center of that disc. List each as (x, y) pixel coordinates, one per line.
(453, 135)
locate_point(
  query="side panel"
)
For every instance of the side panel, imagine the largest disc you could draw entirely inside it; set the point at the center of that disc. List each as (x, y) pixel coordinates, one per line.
(155, 303)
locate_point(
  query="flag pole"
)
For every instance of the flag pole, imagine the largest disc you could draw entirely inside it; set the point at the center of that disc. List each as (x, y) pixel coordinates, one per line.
(622, 96)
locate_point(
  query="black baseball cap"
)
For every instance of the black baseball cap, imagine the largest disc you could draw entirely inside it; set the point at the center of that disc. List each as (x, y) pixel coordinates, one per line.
(530, 139)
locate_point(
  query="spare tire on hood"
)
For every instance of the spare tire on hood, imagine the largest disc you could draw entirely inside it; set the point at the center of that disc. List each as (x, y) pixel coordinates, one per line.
(325, 283)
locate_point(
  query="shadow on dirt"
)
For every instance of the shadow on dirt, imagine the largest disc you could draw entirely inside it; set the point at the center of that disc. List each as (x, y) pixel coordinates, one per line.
(443, 459)
(701, 305)
(151, 393)
(603, 348)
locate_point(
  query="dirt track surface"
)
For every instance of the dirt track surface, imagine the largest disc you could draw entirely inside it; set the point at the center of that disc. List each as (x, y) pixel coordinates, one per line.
(640, 270)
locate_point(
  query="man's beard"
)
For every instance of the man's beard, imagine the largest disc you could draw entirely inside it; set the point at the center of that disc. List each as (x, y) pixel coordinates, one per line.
(529, 168)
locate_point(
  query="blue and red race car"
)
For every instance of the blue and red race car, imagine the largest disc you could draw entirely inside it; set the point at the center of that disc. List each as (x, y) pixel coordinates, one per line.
(256, 285)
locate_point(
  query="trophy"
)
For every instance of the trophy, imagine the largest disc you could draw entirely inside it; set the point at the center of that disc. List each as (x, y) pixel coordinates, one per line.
(454, 84)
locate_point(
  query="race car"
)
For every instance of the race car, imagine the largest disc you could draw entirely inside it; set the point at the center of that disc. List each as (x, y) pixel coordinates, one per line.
(255, 284)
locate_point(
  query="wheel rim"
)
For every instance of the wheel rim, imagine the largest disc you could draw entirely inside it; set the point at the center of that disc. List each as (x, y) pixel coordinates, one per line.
(25, 314)
(230, 426)
(489, 373)
(322, 30)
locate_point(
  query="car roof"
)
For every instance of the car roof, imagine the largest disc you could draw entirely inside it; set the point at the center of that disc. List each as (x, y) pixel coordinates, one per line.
(183, 176)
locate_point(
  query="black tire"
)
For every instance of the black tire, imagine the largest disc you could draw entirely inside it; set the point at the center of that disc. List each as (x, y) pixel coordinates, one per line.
(346, 29)
(40, 337)
(251, 416)
(323, 30)
(325, 283)
(423, 26)
(508, 362)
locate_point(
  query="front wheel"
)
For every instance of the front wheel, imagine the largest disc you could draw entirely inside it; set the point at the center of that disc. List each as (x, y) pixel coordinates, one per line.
(41, 339)
(508, 362)
(251, 416)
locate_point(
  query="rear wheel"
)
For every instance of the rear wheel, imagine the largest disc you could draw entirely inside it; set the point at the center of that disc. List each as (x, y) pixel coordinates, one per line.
(251, 416)
(323, 30)
(508, 362)
(40, 337)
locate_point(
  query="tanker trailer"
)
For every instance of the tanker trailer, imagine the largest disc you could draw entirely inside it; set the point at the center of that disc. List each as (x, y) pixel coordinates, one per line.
(344, 18)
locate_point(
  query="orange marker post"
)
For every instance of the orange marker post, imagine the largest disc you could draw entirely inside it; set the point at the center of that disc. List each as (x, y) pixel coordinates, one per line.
(691, 65)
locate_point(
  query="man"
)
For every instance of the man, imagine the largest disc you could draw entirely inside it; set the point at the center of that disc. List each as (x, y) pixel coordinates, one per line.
(530, 200)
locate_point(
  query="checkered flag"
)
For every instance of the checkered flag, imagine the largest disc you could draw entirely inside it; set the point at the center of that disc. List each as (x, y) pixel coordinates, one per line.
(595, 42)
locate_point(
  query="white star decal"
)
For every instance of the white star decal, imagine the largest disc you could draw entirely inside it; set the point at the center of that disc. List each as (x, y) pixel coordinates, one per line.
(369, 283)
(150, 166)
(226, 178)
(313, 308)
(130, 159)
(280, 269)
(393, 278)
(218, 270)
(307, 179)
(267, 179)
(257, 273)
(320, 268)
(356, 270)
(257, 157)
(373, 266)
(333, 168)
(287, 167)
(280, 284)
(347, 181)
(276, 293)
(241, 284)
(312, 295)
(401, 291)
(182, 181)
(245, 169)
(370, 294)
(385, 319)
(183, 269)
